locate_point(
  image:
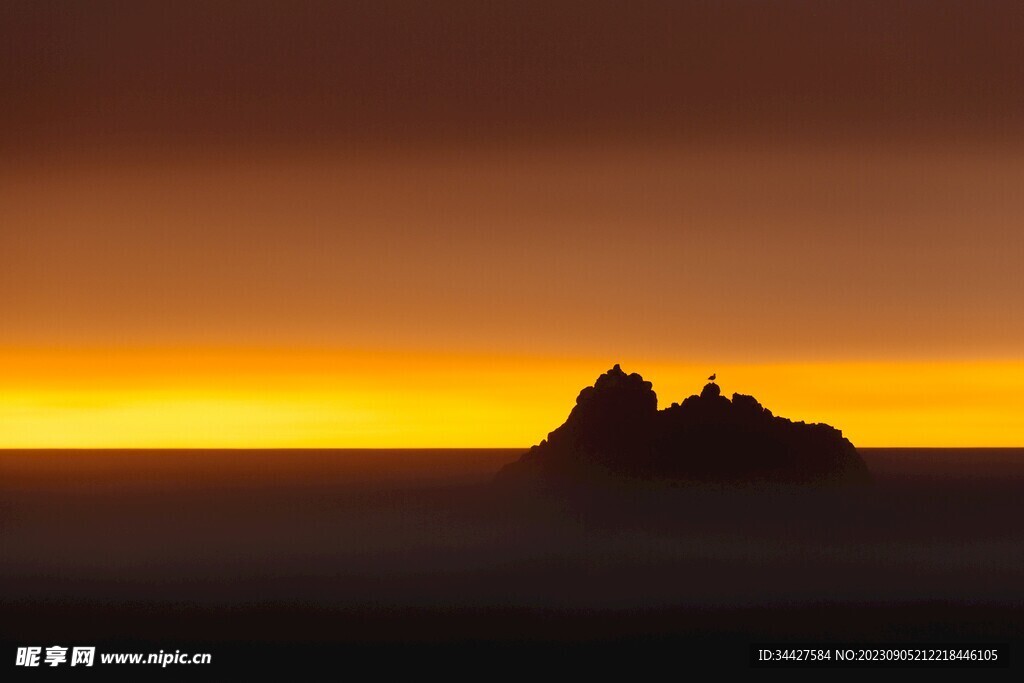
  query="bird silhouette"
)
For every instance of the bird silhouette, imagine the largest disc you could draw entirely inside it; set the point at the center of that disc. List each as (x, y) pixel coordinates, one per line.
(713, 375)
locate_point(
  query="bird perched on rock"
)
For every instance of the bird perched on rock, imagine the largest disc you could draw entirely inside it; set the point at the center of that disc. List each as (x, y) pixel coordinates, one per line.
(713, 375)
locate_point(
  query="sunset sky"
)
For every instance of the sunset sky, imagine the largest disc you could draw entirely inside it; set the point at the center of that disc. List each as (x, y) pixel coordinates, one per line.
(398, 223)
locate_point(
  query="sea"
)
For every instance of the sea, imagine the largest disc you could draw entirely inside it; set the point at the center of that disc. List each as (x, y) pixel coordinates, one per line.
(290, 558)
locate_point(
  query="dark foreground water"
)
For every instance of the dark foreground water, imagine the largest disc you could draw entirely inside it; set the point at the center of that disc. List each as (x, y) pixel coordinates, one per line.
(294, 559)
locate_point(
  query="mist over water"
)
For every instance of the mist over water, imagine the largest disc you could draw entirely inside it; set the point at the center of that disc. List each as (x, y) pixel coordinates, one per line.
(205, 544)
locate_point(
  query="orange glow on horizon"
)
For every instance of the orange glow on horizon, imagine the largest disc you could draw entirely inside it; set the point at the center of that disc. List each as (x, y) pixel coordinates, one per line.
(263, 234)
(358, 399)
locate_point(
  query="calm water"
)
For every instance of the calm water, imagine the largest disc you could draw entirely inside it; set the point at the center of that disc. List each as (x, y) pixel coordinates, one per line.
(118, 543)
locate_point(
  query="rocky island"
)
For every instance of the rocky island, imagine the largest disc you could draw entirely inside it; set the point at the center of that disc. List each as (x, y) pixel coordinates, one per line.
(616, 433)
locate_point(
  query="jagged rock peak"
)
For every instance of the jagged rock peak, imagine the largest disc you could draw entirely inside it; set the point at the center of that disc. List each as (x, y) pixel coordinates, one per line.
(615, 431)
(619, 386)
(711, 390)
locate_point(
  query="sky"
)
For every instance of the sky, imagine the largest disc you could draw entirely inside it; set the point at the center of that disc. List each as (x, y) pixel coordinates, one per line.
(396, 223)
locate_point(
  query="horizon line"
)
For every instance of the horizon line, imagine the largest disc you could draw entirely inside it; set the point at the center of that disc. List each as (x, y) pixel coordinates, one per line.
(7, 449)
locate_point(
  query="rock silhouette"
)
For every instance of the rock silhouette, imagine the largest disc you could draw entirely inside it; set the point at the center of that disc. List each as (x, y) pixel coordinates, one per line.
(616, 433)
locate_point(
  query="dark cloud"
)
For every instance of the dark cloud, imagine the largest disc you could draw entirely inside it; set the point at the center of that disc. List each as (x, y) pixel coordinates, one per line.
(404, 72)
